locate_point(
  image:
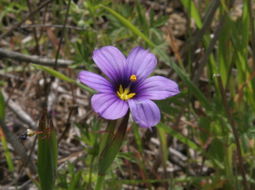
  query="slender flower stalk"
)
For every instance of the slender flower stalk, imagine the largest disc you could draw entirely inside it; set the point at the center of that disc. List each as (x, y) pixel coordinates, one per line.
(110, 151)
(127, 85)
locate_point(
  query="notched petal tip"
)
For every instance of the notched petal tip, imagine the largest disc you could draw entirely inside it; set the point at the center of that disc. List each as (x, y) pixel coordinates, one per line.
(141, 62)
(158, 88)
(173, 87)
(110, 61)
(145, 113)
(95, 81)
(80, 74)
(98, 51)
(176, 91)
(109, 49)
(139, 48)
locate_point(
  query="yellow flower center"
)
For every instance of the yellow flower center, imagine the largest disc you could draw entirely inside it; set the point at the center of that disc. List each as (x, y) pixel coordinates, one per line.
(132, 78)
(124, 94)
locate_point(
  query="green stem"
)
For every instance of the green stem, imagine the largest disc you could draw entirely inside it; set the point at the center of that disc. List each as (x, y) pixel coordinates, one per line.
(100, 182)
(111, 149)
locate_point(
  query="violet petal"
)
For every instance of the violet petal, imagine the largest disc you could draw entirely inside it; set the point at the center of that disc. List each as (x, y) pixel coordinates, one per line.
(145, 113)
(157, 88)
(110, 61)
(109, 106)
(95, 81)
(140, 62)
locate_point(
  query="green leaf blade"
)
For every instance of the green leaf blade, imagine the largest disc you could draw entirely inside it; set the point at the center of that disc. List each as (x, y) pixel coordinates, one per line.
(47, 154)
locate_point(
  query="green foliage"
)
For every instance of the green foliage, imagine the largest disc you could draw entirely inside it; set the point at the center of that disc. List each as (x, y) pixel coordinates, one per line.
(200, 120)
(129, 25)
(70, 178)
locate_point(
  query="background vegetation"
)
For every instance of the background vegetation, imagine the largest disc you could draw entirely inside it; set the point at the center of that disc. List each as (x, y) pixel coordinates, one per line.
(205, 140)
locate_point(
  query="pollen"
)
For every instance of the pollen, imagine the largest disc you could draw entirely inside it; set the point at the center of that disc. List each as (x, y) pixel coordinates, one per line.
(124, 94)
(133, 78)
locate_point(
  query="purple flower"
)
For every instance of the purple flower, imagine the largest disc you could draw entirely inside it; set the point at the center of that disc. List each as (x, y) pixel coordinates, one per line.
(127, 85)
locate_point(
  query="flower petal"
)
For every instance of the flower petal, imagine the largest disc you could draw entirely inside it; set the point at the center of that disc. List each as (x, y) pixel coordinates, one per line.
(110, 61)
(140, 62)
(146, 113)
(95, 81)
(109, 106)
(157, 88)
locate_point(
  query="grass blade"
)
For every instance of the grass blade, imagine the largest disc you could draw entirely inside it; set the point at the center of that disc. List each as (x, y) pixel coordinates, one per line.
(129, 25)
(47, 153)
(63, 77)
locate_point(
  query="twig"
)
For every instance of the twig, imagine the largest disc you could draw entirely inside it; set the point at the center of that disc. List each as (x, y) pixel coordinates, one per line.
(21, 114)
(204, 58)
(251, 15)
(34, 29)
(62, 34)
(52, 26)
(67, 125)
(24, 20)
(211, 46)
(196, 38)
(33, 59)
(48, 85)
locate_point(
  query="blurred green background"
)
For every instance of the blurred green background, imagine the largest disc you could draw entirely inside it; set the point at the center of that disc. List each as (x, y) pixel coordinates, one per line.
(205, 140)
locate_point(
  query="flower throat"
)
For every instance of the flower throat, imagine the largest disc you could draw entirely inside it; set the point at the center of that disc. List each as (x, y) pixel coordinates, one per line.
(125, 94)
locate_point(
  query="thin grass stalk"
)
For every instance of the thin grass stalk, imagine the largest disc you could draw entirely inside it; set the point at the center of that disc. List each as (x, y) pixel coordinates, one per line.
(63, 77)
(108, 137)
(140, 157)
(34, 29)
(252, 26)
(235, 133)
(62, 34)
(164, 152)
(7, 153)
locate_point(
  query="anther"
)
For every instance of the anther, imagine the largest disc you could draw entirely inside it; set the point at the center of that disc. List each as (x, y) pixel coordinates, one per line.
(132, 78)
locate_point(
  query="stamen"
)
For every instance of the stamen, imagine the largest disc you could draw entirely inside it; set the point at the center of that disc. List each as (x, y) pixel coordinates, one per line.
(126, 91)
(121, 89)
(124, 94)
(132, 78)
(131, 95)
